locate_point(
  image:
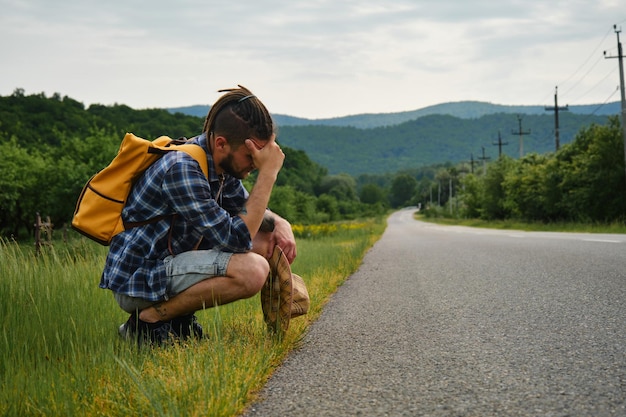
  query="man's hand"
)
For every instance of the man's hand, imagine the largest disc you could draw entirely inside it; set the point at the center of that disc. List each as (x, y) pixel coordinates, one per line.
(284, 238)
(267, 158)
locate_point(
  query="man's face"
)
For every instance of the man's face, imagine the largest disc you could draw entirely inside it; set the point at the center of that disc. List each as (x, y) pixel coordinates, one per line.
(238, 163)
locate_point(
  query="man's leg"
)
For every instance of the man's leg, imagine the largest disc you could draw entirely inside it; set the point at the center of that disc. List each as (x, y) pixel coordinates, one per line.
(245, 275)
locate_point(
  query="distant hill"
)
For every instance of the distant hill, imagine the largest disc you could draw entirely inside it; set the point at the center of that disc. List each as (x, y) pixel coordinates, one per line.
(430, 140)
(461, 109)
(450, 132)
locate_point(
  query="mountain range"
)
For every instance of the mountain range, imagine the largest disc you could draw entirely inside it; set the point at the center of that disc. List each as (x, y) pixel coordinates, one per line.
(446, 133)
(460, 109)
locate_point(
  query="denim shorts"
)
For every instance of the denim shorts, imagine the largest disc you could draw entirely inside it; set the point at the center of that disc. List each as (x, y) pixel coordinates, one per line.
(183, 271)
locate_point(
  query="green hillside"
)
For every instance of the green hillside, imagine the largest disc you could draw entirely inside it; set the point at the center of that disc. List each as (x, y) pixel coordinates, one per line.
(448, 132)
(428, 140)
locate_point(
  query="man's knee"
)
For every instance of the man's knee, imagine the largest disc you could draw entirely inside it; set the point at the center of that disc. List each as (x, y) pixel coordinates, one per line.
(252, 272)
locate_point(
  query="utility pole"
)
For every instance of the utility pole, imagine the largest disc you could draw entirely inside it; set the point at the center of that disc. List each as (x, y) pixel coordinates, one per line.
(450, 194)
(500, 144)
(439, 193)
(521, 133)
(431, 195)
(472, 162)
(621, 83)
(556, 109)
(484, 159)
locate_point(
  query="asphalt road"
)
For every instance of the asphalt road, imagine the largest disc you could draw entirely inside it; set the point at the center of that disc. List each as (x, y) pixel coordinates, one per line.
(455, 321)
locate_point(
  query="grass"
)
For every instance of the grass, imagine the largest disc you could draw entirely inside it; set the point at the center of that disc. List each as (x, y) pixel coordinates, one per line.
(61, 354)
(616, 227)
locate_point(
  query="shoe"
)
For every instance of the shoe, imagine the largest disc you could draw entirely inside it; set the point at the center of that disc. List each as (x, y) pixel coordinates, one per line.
(187, 327)
(160, 333)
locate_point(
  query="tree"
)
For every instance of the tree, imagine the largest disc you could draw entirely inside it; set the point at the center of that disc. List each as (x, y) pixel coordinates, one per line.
(494, 193)
(472, 196)
(327, 205)
(342, 187)
(20, 189)
(282, 202)
(373, 194)
(300, 172)
(294, 205)
(525, 188)
(593, 174)
(402, 190)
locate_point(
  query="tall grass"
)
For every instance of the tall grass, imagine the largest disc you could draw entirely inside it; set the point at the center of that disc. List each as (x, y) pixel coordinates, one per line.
(60, 353)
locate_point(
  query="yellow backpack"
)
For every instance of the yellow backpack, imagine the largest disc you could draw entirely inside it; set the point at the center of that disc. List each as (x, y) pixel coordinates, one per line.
(98, 213)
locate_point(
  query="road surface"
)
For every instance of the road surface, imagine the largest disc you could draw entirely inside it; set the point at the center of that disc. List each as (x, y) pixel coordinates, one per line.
(456, 321)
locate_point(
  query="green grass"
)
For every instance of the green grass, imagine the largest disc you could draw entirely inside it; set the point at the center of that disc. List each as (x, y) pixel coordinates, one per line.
(616, 227)
(61, 354)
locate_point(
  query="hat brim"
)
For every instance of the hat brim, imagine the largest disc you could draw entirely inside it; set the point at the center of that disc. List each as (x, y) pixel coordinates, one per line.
(277, 293)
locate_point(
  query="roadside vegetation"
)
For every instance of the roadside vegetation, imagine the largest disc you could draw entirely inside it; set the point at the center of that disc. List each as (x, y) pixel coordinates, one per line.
(61, 354)
(582, 186)
(577, 227)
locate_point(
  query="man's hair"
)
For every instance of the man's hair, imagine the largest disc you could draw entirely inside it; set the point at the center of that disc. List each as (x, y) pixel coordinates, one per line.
(239, 115)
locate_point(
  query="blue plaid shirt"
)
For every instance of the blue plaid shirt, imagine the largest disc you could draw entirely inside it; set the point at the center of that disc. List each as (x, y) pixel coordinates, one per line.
(176, 185)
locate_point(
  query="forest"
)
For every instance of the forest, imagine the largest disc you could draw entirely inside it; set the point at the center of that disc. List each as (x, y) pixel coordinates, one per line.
(52, 145)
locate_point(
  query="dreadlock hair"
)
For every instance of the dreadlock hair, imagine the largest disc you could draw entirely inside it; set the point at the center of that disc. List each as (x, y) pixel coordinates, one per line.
(239, 115)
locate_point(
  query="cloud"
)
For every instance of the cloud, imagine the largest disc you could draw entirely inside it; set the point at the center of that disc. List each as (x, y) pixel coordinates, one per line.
(314, 58)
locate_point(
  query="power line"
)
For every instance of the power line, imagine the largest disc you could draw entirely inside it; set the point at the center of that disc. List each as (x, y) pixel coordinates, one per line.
(603, 103)
(592, 54)
(567, 89)
(611, 72)
(583, 77)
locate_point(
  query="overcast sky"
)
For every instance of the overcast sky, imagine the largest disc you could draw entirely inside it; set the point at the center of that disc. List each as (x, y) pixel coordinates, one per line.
(313, 58)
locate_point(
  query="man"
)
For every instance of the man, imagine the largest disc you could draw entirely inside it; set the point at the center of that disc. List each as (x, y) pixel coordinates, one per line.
(202, 242)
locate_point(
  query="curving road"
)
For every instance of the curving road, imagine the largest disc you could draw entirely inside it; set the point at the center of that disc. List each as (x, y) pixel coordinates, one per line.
(456, 321)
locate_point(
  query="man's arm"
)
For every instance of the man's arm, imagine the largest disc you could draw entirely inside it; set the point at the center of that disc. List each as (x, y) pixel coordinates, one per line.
(269, 161)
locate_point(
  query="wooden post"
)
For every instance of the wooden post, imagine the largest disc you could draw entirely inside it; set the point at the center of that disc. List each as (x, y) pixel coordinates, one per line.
(38, 234)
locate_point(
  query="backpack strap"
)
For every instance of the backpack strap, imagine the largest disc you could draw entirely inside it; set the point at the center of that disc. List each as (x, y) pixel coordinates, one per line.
(197, 153)
(193, 150)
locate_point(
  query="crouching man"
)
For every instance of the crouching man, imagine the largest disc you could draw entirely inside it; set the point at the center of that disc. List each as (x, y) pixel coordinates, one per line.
(200, 242)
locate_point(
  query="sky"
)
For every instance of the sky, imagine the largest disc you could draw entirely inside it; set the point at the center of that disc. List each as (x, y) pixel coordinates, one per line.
(313, 58)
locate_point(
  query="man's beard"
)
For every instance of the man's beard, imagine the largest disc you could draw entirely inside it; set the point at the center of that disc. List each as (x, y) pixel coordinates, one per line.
(227, 166)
